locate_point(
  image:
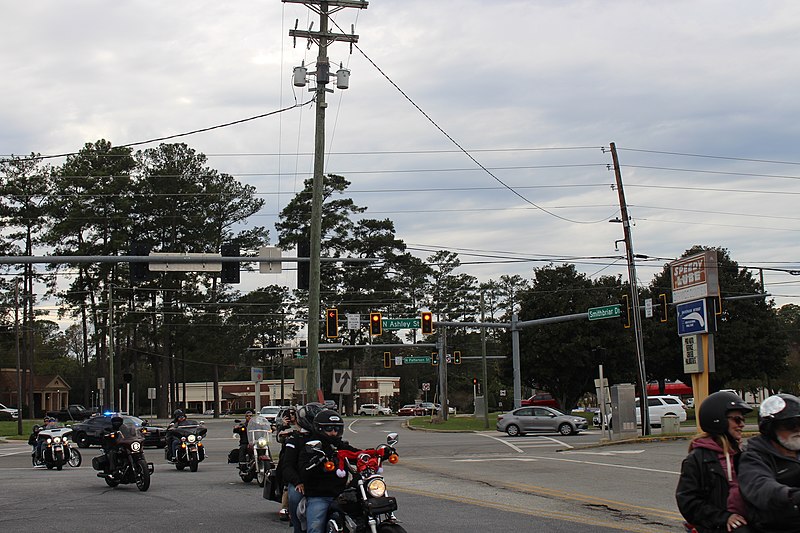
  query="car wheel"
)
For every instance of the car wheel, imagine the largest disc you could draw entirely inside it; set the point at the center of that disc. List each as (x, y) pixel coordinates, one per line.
(565, 429)
(82, 440)
(513, 430)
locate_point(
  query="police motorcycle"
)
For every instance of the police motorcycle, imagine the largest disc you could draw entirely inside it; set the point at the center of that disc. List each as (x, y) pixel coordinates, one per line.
(364, 506)
(189, 451)
(122, 460)
(259, 458)
(52, 448)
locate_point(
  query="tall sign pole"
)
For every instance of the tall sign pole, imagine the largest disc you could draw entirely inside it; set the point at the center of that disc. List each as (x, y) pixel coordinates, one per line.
(637, 319)
(322, 38)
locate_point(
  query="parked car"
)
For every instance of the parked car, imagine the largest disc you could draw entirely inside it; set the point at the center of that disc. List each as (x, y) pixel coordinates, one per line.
(427, 408)
(330, 404)
(450, 410)
(539, 420)
(72, 412)
(411, 410)
(271, 411)
(12, 413)
(658, 406)
(541, 398)
(91, 431)
(373, 409)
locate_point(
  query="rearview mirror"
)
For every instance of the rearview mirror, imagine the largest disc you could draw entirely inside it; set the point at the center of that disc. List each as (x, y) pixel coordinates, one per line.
(391, 439)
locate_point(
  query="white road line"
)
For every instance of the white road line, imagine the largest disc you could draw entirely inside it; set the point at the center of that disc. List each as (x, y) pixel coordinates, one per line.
(513, 447)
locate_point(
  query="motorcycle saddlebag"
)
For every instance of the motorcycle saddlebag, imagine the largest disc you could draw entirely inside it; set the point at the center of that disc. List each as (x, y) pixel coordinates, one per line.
(100, 462)
(385, 504)
(233, 456)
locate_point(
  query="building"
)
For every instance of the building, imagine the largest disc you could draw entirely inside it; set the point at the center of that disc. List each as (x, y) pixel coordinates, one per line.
(50, 392)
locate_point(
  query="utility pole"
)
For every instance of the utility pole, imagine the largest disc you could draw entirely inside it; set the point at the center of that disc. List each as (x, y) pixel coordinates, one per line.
(637, 319)
(322, 38)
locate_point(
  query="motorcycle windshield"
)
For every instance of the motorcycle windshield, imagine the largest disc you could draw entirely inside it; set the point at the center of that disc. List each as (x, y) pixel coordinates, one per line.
(130, 431)
(257, 428)
(190, 427)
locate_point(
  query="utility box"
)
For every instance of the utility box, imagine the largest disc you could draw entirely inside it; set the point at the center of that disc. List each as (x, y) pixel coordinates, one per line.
(623, 411)
(479, 406)
(670, 424)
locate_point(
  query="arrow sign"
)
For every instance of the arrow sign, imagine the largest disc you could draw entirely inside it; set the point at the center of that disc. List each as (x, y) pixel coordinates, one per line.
(342, 381)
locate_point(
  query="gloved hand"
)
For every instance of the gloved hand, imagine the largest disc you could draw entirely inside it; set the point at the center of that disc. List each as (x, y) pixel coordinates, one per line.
(794, 496)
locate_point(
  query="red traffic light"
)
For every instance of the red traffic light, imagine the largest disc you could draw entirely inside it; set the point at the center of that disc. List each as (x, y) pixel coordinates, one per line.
(332, 323)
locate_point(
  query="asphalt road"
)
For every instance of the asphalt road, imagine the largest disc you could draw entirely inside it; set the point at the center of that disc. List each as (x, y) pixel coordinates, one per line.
(484, 481)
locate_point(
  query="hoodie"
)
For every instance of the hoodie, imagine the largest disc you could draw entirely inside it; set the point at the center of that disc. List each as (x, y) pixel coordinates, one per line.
(735, 502)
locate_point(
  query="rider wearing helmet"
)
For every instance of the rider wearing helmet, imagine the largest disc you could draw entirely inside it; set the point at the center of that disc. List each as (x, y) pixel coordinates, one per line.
(287, 428)
(321, 485)
(289, 459)
(708, 490)
(109, 442)
(178, 419)
(770, 467)
(241, 430)
(48, 422)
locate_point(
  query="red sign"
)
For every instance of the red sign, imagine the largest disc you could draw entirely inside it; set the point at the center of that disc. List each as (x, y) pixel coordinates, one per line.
(695, 277)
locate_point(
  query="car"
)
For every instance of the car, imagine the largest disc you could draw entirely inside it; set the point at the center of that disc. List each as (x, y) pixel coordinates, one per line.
(450, 410)
(428, 408)
(90, 432)
(411, 410)
(10, 411)
(658, 406)
(541, 398)
(373, 409)
(330, 404)
(536, 419)
(271, 411)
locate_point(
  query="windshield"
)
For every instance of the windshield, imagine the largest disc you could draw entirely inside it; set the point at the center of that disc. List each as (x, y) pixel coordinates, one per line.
(258, 427)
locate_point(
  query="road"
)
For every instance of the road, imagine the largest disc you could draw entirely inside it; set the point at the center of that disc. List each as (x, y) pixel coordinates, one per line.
(484, 481)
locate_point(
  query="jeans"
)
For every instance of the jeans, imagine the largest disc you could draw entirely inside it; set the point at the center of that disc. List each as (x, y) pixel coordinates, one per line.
(294, 499)
(317, 512)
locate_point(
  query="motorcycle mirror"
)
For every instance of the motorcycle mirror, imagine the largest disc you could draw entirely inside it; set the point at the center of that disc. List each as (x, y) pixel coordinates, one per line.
(314, 445)
(391, 439)
(237, 421)
(145, 422)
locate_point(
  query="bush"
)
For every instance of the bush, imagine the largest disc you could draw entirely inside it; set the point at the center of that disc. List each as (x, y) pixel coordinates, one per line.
(5, 416)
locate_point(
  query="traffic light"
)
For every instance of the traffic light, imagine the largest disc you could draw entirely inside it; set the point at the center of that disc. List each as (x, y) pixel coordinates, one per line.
(303, 349)
(303, 267)
(661, 309)
(625, 311)
(474, 381)
(332, 323)
(375, 324)
(434, 358)
(387, 359)
(456, 357)
(230, 269)
(140, 272)
(427, 323)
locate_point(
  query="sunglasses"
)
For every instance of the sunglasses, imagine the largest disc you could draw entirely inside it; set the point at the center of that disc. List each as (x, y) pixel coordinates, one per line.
(328, 429)
(791, 424)
(738, 419)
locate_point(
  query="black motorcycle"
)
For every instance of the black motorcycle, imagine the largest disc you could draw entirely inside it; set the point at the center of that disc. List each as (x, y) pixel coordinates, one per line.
(258, 460)
(364, 506)
(189, 451)
(129, 464)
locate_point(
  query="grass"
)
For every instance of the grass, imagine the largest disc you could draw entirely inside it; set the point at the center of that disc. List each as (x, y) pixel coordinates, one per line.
(8, 429)
(453, 423)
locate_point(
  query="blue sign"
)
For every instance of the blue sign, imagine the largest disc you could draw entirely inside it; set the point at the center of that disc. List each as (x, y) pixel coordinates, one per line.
(692, 317)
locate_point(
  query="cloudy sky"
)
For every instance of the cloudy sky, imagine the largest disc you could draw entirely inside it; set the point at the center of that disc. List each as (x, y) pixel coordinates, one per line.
(699, 97)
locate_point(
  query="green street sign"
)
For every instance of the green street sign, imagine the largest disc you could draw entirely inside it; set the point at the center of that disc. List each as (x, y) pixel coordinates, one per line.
(401, 323)
(608, 311)
(411, 359)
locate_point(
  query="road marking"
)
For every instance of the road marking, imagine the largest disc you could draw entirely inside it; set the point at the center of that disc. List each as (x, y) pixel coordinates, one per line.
(515, 448)
(617, 452)
(487, 459)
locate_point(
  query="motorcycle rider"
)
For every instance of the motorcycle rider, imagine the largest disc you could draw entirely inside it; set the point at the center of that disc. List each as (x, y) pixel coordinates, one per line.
(321, 487)
(708, 490)
(769, 472)
(289, 459)
(178, 419)
(47, 423)
(286, 429)
(241, 429)
(109, 443)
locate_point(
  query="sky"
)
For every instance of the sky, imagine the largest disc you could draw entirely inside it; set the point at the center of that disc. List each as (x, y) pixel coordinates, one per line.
(478, 127)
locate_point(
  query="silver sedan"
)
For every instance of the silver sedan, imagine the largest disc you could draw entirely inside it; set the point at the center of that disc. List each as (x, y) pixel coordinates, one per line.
(539, 420)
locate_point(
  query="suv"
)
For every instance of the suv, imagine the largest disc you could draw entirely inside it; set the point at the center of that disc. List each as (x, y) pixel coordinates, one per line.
(373, 409)
(12, 413)
(658, 406)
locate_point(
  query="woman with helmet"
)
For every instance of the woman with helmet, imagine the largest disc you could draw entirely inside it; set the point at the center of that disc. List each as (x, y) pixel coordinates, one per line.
(322, 486)
(770, 468)
(708, 490)
(287, 428)
(290, 455)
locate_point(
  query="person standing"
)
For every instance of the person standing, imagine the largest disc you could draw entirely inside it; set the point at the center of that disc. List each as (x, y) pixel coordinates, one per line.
(770, 467)
(708, 494)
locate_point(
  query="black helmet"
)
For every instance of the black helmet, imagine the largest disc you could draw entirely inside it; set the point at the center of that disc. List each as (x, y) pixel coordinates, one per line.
(248, 413)
(775, 408)
(327, 421)
(714, 409)
(306, 414)
(116, 422)
(178, 414)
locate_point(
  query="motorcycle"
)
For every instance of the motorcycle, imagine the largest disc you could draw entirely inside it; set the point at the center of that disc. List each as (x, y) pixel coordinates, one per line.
(259, 458)
(130, 466)
(190, 451)
(53, 449)
(364, 506)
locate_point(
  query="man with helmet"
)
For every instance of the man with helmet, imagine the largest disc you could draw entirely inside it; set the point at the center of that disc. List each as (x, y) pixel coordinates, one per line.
(770, 468)
(321, 486)
(241, 430)
(109, 443)
(48, 422)
(708, 490)
(178, 419)
(290, 456)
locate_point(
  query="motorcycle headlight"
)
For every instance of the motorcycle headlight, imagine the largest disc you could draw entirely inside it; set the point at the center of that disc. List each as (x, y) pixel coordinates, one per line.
(376, 488)
(262, 442)
(57, 440)
(136, 446)
(191, 438)
(49, 441)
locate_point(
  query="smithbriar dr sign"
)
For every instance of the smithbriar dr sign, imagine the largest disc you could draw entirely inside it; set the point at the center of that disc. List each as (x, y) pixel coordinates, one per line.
(607, 311)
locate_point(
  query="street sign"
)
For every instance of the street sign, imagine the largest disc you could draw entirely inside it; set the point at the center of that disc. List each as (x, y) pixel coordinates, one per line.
(411, 359)
(151, 393)
(400, 323)
(426, 386)
(256, 374)
(273, 252)
(648, 308)
(353, 321)
(342, 382)
(607, 311)
(692, 317)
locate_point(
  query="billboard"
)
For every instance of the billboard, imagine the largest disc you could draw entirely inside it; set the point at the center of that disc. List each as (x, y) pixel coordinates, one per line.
(695, 277)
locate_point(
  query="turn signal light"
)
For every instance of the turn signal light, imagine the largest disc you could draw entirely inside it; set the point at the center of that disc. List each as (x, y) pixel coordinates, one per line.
(329, 466)
(394, 458)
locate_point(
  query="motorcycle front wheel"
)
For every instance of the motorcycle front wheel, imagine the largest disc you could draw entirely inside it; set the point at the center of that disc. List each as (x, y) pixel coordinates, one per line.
(74, 458)
(390, 527)
(111, 482)
(142, 473)
(193, 465)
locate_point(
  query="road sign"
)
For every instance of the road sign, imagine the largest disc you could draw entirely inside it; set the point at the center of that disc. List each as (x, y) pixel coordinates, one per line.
(607, 311)
(411, 359)
(648, 308)
(426, 386)
(151, 393)
(256, 374)
(273, 252)
(692, 317)
(342, 382)
(353, 321)
(401, 323)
